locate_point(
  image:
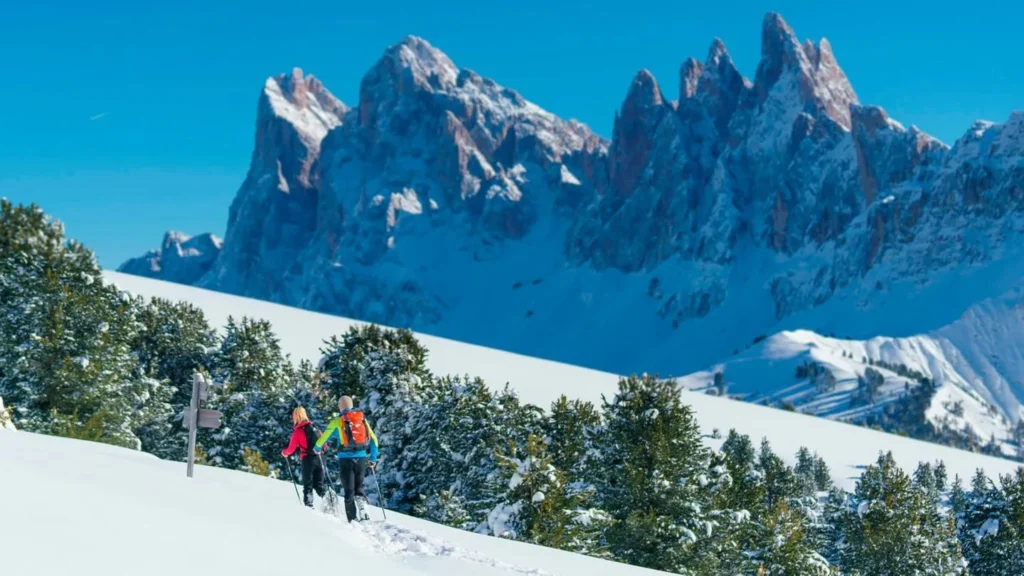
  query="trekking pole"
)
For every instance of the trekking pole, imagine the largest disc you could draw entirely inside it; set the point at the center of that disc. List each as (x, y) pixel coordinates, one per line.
(292, 476)
(332, 496)
(380, 497)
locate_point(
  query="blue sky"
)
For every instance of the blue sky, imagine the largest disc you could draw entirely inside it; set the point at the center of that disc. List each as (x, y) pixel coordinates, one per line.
(125, 120)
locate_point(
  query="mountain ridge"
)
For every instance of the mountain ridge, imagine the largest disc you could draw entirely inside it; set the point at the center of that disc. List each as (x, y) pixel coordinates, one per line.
(447, 203)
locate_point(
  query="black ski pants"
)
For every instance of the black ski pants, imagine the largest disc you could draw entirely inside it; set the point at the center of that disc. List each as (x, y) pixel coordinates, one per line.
(312, 478)
(353, 470)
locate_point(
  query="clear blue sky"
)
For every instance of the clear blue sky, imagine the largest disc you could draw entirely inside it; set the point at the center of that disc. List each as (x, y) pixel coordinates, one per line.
(176, 83)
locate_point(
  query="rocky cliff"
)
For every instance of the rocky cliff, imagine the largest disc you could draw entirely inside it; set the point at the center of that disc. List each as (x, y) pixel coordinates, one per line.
(445, 202)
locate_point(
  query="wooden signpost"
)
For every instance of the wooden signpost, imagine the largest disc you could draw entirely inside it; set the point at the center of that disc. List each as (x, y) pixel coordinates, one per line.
(198, 417)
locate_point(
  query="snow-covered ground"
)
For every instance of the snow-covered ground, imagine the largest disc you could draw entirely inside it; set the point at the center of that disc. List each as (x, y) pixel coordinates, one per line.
(845, 447)
(89, 509)
(975, 362)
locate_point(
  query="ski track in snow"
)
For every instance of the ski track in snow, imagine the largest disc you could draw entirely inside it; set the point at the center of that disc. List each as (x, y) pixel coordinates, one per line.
(393, 540)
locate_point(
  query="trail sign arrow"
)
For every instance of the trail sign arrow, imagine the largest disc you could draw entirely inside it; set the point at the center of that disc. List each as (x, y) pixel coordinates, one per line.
(209, 418)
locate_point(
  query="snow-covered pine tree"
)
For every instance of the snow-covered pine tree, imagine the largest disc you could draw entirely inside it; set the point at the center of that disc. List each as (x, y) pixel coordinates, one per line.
(251, 389)
(540, 507)
(744, 493)
(780, 482)
(451, 468)
(573, 431)
(344, 359)
(656, 482)
(776, 517)
(992, 530)
(891, 529)
(66, 361)
(786, 545)
(34, 257)
(174, 342)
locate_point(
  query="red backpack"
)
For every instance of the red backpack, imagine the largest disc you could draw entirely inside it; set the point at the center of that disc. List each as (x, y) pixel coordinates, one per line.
(357, 436)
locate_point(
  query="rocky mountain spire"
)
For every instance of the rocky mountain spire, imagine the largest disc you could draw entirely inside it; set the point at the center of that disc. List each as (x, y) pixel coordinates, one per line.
(273, 214)
(720, 86)
(809, 73)
(634, 130)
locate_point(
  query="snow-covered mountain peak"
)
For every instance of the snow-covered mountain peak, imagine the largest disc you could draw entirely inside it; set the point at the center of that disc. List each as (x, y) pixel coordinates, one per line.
(1000, 146)
(172, 237)
(689, 77)
(303, 102)
(425, 62)
(181, 258)
(414, 82)
(185, 244)
(717, 51)
(807, 76)
(644, 91)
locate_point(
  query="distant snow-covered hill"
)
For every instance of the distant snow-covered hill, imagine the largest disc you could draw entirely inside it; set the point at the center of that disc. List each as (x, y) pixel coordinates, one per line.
(975, 362)
(732, 209)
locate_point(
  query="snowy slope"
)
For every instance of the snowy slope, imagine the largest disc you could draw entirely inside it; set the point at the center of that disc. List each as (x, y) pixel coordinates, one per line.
(975, 362)
(74, 507)
(845, 447)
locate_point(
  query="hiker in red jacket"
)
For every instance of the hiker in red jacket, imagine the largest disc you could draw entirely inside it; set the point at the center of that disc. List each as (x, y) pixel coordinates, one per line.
(304, 436)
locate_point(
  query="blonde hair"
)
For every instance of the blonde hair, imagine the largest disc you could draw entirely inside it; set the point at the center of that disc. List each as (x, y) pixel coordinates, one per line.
(299, 416)
(345, 403)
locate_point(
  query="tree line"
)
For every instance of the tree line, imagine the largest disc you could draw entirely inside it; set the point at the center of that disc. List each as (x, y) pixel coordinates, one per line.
(632, 479)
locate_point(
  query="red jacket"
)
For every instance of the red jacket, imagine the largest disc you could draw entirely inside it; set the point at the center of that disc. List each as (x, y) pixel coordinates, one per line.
(298, 441)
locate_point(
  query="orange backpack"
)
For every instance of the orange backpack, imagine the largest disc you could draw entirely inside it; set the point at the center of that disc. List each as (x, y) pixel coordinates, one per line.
(357, 437)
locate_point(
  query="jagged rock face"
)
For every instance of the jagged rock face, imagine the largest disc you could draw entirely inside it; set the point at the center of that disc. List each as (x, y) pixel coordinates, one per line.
(181, 258)
(455, 144)
(434, 150)
(770, 158)
(273, 215)
(712, 217)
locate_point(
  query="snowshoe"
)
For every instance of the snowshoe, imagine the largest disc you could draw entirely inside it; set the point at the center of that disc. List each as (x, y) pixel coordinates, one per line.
(330, 503)
(362, 512)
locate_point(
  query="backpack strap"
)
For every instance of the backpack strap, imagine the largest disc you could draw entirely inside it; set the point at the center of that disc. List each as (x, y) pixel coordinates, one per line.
(312, 435)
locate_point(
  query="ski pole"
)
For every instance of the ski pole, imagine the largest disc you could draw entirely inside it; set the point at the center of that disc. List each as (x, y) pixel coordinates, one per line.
(380, 497)
(292, 476)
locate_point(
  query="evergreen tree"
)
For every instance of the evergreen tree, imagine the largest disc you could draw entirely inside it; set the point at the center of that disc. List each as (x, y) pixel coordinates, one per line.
(780, 536)
(573, 432)
(174, 342)
(251, 389)
(892, 529)
(540, 507)
(344, 360)
(450, 467)
(780, 482)
(66, 361)
(656, 466)
(992, 529)
(787, 547)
